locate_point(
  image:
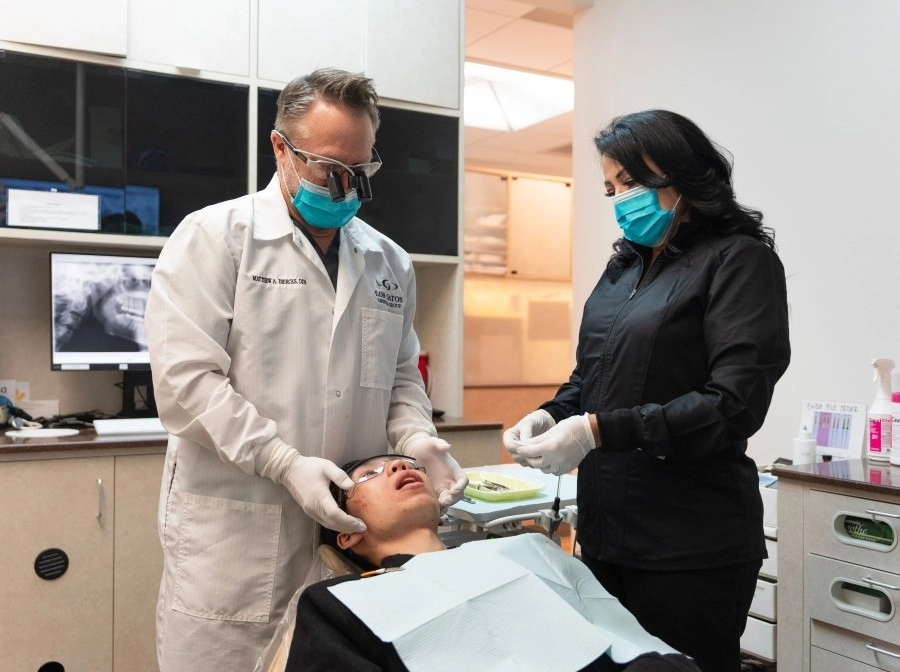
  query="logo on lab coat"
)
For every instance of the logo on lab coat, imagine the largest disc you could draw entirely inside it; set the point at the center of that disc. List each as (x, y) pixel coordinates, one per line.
(389, 285)
(390, 298)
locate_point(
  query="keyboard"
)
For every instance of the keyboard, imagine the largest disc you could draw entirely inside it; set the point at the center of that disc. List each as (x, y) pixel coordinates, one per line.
(128, 426)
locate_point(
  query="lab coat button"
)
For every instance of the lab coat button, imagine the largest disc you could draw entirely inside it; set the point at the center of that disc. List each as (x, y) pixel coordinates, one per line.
(338, 393)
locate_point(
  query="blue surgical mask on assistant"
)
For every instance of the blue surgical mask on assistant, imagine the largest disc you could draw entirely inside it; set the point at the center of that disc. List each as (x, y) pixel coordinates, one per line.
(641, 218)
(314, 204)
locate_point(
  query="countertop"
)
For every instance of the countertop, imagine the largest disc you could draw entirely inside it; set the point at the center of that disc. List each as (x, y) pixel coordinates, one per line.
(874, 477)
(87, 439)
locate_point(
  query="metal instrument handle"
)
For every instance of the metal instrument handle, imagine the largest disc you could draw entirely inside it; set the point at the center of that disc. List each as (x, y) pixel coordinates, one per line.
(877, 649)
(875, 512)
(510, 519)
(870, 580)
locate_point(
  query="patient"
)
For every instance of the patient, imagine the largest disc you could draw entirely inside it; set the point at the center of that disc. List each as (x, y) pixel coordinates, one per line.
(395, 499)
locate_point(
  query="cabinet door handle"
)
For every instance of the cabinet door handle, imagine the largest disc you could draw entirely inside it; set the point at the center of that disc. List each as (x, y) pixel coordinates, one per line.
(875, 512)
(877, 649)
(871, 581)
(99, 498)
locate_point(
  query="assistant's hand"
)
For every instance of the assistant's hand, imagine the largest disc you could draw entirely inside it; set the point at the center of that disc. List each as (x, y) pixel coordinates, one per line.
(561, 448)
(533, 424)
(446, 475)
(308, 479)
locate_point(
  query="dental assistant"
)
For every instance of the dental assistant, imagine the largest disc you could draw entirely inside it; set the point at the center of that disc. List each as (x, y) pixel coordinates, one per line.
(680, 346)
(280, 330)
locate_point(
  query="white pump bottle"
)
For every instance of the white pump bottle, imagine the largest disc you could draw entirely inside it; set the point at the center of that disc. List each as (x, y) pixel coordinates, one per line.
(879, 444)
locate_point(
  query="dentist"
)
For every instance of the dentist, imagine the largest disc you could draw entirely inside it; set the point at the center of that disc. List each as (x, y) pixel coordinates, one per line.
(280, 330)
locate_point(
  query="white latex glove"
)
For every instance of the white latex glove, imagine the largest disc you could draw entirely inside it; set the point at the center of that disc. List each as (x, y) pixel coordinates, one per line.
(308, 479)
(561, 448)
(446, 475)
(533, 424)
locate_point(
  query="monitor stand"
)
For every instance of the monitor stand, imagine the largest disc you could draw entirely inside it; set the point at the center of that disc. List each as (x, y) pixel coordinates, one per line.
(137, 395)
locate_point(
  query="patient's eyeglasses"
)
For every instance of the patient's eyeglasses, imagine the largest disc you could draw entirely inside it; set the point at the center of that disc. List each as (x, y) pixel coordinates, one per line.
(373, 470)
(375, 466)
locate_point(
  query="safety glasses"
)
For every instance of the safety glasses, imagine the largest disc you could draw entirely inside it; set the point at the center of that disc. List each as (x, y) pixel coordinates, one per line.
(333, 171)
(372, 468)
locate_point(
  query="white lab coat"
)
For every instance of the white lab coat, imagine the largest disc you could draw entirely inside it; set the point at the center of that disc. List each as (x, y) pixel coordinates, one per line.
(251, 345)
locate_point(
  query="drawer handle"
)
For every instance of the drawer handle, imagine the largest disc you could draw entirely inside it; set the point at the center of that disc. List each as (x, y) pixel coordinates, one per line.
(866, 530)
(875, 512)
(870, 580)
(862, 598)
(877, 649)
(99, 498)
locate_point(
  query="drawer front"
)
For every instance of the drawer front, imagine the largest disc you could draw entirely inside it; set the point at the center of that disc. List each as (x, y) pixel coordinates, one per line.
(770, 565)
(866, 650)
(859, 599)
(842, 527)
(759, 639)
(825, 661)
(764, 600)
(770, 507)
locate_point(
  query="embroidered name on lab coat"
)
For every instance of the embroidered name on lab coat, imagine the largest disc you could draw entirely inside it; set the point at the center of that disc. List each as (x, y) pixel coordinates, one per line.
(388, 299)
(262, 279)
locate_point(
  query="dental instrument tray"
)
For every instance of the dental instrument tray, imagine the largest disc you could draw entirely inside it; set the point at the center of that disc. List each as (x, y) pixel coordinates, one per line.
(492, 486)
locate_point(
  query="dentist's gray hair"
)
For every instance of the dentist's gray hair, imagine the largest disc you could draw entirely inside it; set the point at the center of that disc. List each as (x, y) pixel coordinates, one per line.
(350, 90)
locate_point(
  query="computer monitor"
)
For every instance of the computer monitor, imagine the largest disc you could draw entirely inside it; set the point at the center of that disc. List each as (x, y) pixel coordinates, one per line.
(97, 319)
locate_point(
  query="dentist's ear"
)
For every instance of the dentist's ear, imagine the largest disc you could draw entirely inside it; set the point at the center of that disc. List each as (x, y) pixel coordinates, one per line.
(347, 540)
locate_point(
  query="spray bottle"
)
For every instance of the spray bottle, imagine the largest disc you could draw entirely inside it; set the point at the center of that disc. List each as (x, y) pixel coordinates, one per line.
(880, 412)
(895, 421)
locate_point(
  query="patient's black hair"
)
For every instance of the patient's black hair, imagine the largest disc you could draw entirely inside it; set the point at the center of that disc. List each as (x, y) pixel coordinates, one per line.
(329, 537)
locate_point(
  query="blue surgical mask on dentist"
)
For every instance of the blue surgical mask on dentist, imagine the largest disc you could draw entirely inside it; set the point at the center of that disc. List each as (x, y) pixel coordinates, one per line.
(316, 207)
(641, 218)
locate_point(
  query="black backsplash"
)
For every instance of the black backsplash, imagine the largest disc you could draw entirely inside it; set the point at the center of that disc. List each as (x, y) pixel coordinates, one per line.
(154, 147)
(416, 191)
(157, 147)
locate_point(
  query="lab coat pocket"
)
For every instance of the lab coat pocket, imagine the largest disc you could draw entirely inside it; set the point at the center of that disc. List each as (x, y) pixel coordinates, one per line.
(233, 583)
(381, 334)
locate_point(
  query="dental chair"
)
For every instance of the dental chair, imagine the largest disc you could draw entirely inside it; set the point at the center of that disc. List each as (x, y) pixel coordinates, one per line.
(327, 564)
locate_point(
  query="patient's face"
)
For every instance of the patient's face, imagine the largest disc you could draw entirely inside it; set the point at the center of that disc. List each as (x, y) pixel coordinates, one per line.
(400, 497)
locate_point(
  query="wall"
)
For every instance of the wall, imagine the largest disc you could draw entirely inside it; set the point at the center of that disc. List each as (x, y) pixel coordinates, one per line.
(506, 405)
(516, 331)
(805, 95)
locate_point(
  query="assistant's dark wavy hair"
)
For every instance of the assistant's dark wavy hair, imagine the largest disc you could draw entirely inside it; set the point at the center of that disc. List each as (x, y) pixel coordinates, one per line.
(698, 168)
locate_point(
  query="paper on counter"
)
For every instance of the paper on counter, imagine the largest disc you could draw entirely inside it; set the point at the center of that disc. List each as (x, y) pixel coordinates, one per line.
(8, 388)
(16, 391)
(40, 408)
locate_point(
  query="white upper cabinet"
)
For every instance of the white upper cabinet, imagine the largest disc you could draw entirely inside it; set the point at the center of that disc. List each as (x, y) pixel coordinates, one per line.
(295, 38)
(412, 51)
(88, 25)
(203, 35)
(409, 47)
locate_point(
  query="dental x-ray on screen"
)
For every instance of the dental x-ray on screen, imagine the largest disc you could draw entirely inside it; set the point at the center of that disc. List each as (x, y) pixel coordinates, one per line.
(97, 311)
